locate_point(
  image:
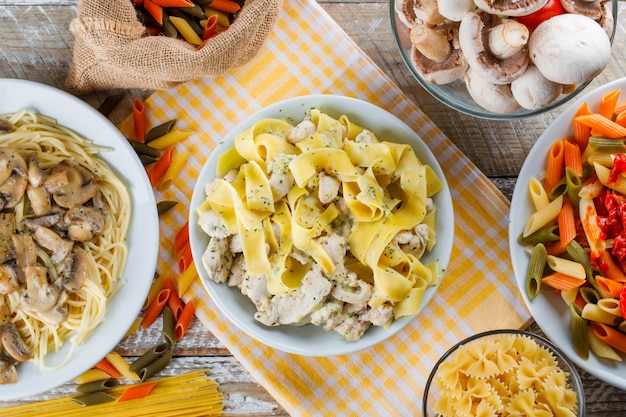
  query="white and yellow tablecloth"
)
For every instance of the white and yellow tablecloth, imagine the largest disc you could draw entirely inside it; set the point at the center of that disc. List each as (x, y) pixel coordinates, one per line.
(309, 53)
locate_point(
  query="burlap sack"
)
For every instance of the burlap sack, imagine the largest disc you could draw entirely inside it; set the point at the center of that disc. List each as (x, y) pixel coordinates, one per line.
(111, 50)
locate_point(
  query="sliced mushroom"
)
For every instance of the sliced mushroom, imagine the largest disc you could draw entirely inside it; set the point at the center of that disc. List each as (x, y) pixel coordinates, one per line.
(496, 98)
(81, 186)
(83, 223)
(591, 9)
(36, 175)
(14, 344)
(25, 251)
(569, 49)
(5, 314)
(476, 32)
(6, 126)
(39, 294)
(437, 54)
(48, 220)
(534, 91)
(353, 295)
(510, 7)
(8, 279)
(406, 12)
(7, 229)
(75, 270)
(57, 314)
(51, 241)
(8, 375)
(427, 11)
(13, 180)
(39, 199)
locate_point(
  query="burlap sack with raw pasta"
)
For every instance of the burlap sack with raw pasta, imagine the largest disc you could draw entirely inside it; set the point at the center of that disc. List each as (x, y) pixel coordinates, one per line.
(111, 49)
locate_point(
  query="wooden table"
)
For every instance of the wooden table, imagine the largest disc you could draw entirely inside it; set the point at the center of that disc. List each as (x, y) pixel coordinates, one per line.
(35, 44)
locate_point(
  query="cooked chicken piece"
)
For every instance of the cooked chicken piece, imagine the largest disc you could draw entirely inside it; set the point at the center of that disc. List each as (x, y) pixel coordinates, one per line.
(328, 188)
(237, 270)
(335, 246)
(352, 328)
(255, 288)
(303, 130)
(379, 316)
(365, 137)
(217, 259)
(294, 306)
(212, 224)
(281, 180)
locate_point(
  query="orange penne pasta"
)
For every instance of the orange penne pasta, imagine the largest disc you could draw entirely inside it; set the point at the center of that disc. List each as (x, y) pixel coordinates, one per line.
(572, 156)
(226, 6)
(210, 28)
(139, 119)
(562, 282)
(175, 166)
(608, 103)
(161, 166)
(182, 324)
(173, 3)
(601, 126)
(567, 223)
(181, 238)
(581, 131)
(610, 268)
(620, 118)
(185, 258)
(554, 166)
(620, 107)
(157, 285)
(155, 308)
(106, 366)
(136, 391)
(555, 248)
(173, 302)
(154, 9)
(609, 335)
(611, 287)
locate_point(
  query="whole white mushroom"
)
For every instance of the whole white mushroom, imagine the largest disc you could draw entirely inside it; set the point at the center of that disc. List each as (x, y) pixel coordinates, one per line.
(534, 91)
(569, 49)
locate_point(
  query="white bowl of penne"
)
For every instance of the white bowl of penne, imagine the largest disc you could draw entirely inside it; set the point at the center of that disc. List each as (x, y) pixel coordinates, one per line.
(522, 371)
(565, 234)
(284, 217)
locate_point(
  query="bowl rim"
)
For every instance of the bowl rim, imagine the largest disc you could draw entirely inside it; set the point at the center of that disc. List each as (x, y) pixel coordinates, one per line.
(479, 112)
(574, 375)
(337, 104)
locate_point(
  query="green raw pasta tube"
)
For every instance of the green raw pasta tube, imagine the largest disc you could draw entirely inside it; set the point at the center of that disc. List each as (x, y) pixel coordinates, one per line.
(579, 327)
(93, 398)
(574, 185)
(109, 103)
(95, 386)
(607, 145)
(588, 171)
(175, 11)
(143, 149)
(147, 160)
(155, 366)
(160, 130)
(578, 254)
(195, 11)
(168, 26)
(536, 266)
(543, 235)
(589, 294)
(169, 324)
(165, 206)
(559, 189)
(149, 357)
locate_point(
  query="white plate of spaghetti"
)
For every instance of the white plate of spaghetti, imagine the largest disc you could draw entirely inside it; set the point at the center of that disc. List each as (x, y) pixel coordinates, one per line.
(77, 207)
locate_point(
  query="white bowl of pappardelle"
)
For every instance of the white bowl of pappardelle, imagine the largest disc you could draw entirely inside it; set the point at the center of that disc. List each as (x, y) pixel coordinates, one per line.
(548, 309)
(311, 340)
(142, 239)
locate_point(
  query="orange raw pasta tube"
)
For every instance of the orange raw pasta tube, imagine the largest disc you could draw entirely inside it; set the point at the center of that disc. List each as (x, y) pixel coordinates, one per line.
(581, 131)
(181, 238)
(155, 308)
(173, 3)
(210, 28)
(182, 324)
(176, 164)
(136, 391)
(106, 366)
(173, 300)
(161, 166)
(572, 156)
(227, 6)
(139, 119)
(554, 167)
(611, 269)
(185, 258)
(609, 335)
(608, 103)
(567, 223)
(602, 126)
(562, 282)
(154, 9)
(610, 286)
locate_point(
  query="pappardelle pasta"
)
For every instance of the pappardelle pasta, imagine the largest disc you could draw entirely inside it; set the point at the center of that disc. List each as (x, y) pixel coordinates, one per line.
(64, 217)
(576, 236)
(321, 222)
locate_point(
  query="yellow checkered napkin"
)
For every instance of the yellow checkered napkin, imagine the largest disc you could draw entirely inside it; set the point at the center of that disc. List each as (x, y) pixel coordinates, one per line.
(306, 54)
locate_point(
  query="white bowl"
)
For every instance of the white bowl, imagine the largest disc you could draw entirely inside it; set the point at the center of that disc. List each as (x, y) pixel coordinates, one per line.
(310, 340)
(548, 309)
(142, 239)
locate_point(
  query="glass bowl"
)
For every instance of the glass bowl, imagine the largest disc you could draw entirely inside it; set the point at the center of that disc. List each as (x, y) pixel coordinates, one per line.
(526, 363)
(455, 95)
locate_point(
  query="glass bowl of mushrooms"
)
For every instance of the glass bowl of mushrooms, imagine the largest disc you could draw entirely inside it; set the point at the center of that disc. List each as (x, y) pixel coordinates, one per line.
(504, 60)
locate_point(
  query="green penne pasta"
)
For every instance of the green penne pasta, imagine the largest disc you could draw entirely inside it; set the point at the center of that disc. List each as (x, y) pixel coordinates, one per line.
(93, 398)
(168, 27)
(160, 130)
(559, 189)
(155, 366)
(589, 294)
(143, 149)
(195, 11)
(109, 103)
(536, 266)
(588, 171)
(579, 327)
(169, 324)
(147, 160)
(165, 206)
(574, 185)
(607, 145)
(543, 235)
(94, 386)
(578, 254)
(149, 357)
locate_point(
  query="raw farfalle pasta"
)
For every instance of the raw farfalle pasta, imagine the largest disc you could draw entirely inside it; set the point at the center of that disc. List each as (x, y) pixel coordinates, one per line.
(503, 375)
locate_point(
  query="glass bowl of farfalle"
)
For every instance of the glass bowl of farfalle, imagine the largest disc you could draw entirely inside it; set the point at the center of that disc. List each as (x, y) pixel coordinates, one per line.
(502, 373)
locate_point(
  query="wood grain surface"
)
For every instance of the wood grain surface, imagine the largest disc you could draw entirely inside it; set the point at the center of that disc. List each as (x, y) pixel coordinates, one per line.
(35, 44)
